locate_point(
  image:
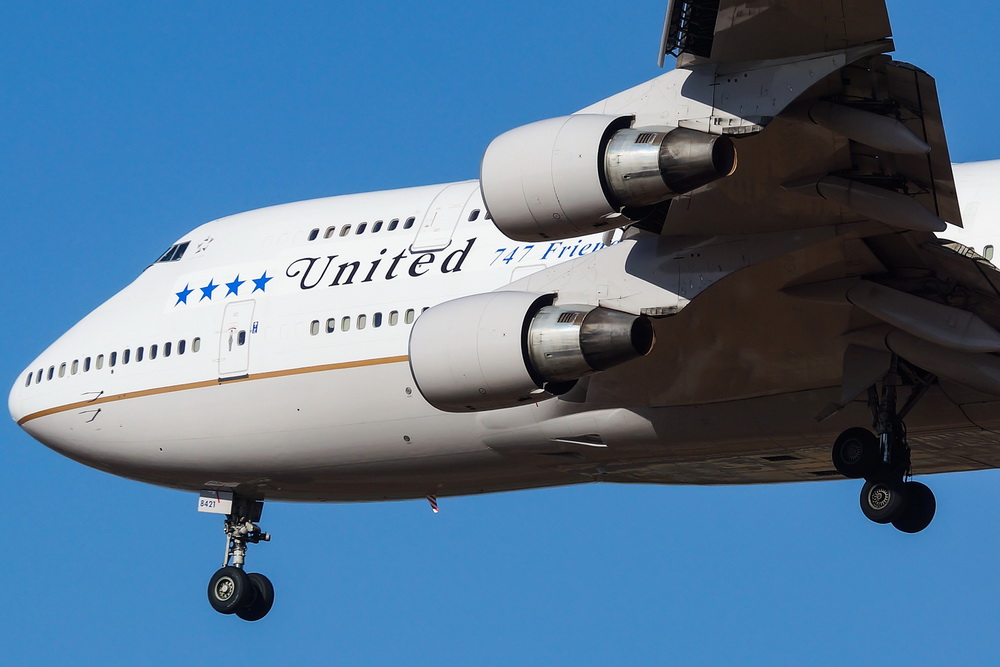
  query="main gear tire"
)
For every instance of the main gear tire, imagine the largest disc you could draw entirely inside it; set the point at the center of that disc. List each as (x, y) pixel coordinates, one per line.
(883, 500)
(919, 510)
(855, 453)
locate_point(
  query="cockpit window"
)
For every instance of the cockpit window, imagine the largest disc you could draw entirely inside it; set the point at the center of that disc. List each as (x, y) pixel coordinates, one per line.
(175, 252)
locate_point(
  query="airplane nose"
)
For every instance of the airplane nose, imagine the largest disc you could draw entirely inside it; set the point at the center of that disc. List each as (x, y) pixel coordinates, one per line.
(15, 399)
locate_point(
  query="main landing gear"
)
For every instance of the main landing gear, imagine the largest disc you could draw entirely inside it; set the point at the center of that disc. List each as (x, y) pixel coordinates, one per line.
(231, 590)
(883, 460)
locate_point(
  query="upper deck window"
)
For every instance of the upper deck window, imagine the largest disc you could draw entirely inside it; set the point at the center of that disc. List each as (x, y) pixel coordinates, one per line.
(313, 234)
(175, 252)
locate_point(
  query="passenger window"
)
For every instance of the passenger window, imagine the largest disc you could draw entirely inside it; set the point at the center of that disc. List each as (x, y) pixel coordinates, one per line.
(181, 345)
(196, 345)
(345, 230)
(100, 361)
(361, 228)
(409, 223)
(988, 252)
(314, 327)
(393, 223)
(27, 380)
(393, 318)
(152, 351)
(345, 324)
(329, 232)
(138, 355)
(377, 226)
(408, 317)
(167, 348)
(126, 356)
(38, 378)
(113, 360)
(86, 364)
(474, 215)
(313, 234)
(331, 325)
(362, 321)
(75, 368)
(62, 369)
(377, 320)
(52, 369)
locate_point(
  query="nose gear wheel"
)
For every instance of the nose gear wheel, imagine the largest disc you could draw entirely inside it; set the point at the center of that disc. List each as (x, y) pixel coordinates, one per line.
(231, 590)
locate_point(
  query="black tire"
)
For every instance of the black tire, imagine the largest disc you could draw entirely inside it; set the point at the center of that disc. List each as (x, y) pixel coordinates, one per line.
(919, 510)
(229, 590)
(883, 500)
(263, 601)
(855, 453)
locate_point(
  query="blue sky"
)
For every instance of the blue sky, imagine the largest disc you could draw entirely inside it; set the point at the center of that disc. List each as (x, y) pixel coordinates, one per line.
(123, 125)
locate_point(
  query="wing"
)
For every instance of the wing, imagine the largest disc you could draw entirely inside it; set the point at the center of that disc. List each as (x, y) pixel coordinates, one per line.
(719, 31)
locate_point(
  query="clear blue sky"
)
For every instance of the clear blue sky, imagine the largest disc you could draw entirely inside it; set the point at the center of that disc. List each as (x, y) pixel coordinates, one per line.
(123, 125)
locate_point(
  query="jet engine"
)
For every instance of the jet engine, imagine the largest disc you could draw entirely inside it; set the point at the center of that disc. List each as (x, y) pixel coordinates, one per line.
(502, 349)
(585, 173)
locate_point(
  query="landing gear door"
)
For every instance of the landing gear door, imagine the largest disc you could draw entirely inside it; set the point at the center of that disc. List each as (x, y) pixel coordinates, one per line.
(234, 340)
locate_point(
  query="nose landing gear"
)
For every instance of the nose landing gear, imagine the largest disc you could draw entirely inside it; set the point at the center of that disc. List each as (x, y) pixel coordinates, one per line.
(231, 590)
(883, 460)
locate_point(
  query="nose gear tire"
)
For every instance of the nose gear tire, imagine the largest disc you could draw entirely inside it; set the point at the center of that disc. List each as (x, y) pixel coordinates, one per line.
(230, 590)
(263, 600)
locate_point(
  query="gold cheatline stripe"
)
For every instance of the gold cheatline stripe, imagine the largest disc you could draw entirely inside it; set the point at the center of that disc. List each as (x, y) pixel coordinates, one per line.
(211, 383)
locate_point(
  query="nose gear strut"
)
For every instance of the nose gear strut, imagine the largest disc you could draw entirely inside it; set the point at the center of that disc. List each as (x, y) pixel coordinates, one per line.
(231, 590)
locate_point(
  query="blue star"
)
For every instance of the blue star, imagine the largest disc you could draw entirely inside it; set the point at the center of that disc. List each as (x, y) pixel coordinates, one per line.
(234, 287)
(259, 283)
(182, 296)
(206, 291)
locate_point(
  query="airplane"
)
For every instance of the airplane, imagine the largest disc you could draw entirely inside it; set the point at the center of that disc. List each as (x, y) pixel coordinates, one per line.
(728, 274)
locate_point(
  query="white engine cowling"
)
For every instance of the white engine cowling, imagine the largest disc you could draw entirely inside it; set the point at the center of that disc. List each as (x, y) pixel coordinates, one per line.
(576, 175)
(502, 349)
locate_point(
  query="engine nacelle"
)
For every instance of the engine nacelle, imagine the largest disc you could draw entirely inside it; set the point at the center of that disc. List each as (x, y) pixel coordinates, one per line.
(575, 175)
(502, 349)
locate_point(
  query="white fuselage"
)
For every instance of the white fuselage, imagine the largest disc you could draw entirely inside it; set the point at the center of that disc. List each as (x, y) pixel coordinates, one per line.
(273, 357)
(276, 355)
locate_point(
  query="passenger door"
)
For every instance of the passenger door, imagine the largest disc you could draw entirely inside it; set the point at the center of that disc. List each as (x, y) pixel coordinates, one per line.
(234, 340)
